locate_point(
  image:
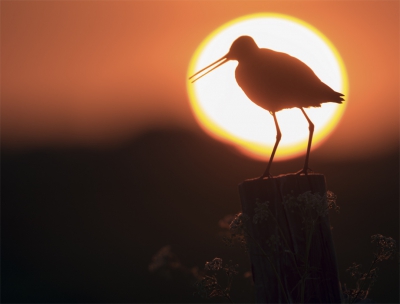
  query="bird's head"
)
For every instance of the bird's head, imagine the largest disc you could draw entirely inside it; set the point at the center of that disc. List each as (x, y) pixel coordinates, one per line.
(242, 48)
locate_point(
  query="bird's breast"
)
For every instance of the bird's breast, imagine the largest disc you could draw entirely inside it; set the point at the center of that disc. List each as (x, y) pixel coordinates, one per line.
(258, 85)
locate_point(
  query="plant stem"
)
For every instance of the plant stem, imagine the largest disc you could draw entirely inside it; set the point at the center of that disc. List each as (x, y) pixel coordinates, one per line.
(228, 288)
(286, 243)
(226, 295)
(303, 280)
(363, 283)
(229, 298)
(273, 267)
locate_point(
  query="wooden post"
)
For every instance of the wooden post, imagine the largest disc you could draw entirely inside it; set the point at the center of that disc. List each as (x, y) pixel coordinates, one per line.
(292, 259)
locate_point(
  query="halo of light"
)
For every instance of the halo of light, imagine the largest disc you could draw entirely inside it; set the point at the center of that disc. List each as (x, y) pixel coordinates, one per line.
(224, 111)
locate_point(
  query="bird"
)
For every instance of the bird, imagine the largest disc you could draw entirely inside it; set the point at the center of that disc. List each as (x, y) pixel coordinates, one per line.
(275, 81)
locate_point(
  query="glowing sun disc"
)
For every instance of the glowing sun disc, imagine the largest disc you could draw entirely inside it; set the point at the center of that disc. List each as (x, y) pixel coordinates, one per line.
(223, 110)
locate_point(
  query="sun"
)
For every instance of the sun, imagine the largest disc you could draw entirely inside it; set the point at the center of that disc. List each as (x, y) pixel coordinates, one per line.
(224, 111)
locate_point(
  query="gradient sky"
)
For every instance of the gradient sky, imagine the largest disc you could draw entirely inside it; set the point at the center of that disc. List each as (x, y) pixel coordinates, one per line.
(81, 224)
(100, 72)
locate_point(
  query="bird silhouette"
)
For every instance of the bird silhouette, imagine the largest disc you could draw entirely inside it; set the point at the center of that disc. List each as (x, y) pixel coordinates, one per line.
(276, 81)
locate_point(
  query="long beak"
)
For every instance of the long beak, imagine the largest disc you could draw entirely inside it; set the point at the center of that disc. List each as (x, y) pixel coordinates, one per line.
(219, 62)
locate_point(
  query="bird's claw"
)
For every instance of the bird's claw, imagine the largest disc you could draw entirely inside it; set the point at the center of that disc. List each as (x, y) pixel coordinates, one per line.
(268, 176)
(304, 171)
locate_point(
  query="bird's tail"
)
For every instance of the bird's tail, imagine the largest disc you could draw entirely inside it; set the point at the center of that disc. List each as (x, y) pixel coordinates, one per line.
(337, 97)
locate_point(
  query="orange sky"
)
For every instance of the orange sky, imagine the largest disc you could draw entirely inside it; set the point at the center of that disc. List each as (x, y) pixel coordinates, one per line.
(98, 72)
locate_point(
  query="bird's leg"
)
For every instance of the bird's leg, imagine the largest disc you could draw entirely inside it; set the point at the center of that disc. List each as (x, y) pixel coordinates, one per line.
(278, 139)
(311, 128)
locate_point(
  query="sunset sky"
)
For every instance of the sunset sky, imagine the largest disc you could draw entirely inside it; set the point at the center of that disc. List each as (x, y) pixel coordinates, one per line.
(85, 73)
(103, 162)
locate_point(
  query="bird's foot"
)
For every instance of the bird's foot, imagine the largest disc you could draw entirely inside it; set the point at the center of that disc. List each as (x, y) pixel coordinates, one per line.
(304, 171)
(266, 175)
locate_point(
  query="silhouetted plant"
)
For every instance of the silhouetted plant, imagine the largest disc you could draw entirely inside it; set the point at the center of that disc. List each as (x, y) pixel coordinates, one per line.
(385, 248)
(209, 285)
(311, 207)
(235, 233)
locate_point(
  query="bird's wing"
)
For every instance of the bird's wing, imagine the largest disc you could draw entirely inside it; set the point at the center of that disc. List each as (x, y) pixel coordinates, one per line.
(277, 81)
(288, 70)
(292, 80)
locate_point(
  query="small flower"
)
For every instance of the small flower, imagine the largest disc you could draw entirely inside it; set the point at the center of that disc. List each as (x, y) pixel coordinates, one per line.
(261, 212)
(373, 275)
(314, 201)
(355, 271)
(230, 270)
(226, 221)
(311, 206)
(216, 293)
(236, 226)
(214, 265)
(207, 287)
(331, 199)
(385, 246)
